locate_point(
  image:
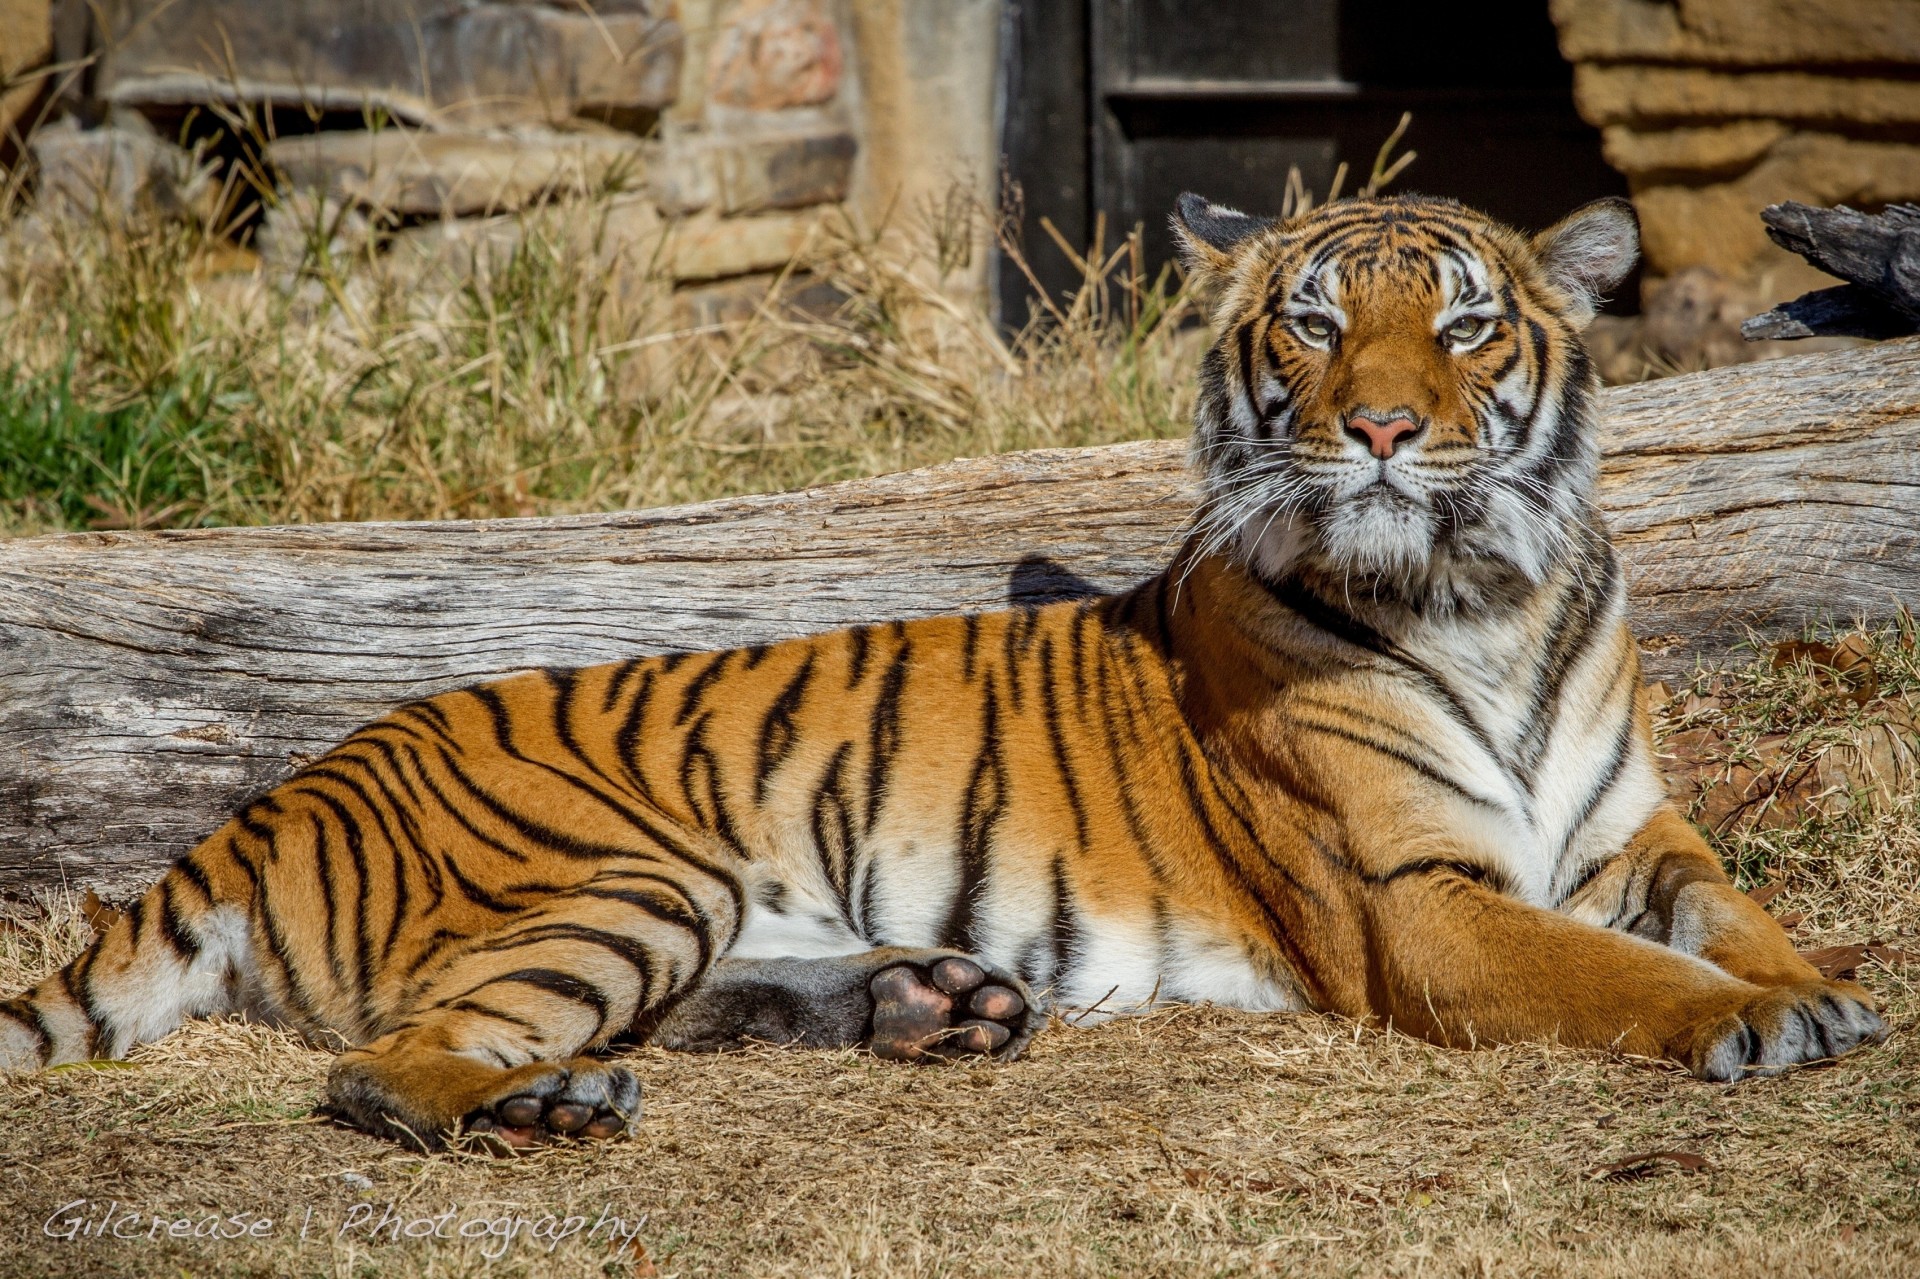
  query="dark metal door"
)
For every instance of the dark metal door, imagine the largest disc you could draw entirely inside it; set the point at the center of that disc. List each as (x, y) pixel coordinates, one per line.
(1117, 106)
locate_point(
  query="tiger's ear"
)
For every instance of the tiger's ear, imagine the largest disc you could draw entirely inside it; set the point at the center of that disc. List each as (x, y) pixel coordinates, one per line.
(1590, 251)
(1210, 233)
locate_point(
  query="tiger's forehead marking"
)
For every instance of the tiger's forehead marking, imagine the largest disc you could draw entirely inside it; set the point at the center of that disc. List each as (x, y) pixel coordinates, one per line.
(1388, 254)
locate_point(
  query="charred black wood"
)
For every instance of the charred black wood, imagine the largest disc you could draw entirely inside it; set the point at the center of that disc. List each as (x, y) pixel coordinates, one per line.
(1878, 254)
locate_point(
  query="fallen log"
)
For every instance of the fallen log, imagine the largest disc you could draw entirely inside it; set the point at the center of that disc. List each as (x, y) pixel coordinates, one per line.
(148, 681)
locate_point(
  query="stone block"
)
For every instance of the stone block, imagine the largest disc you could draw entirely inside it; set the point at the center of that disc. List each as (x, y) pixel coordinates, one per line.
(425, 61)
(628, 234)
(708, 247)
(26, 43)
(1648, 95)
(416, 173)
(1752, 33)
(1718, 225)
(768, 55)
(1721, 150)
(749, 175)
(117, 173)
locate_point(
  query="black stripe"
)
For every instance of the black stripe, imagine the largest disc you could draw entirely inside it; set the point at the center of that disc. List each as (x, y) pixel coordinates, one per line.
(1063, 763)
(630, 950)
(777, 731)
(174, 926)
(697, 686)
(860, 643)
(980, 813)
(832, 830)
(1429, 771)
(554, 983)
(1066, 928)
(1311, 608)
(883, 731)
(1623, 740)
(688, 916)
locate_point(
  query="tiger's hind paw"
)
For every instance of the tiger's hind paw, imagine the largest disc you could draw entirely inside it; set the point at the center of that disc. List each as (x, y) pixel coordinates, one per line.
(547, 1101)
(951, 1007)
(424, 1095)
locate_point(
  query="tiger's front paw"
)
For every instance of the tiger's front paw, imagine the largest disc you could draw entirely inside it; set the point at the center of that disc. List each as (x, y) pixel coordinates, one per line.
(1780, 1027)
(950, 1007)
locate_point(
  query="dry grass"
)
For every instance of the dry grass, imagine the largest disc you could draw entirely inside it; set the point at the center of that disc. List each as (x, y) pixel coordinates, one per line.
(1195, 1141)
(151, 374)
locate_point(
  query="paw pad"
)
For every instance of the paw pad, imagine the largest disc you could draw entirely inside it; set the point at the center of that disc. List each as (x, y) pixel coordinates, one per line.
(954, 1009)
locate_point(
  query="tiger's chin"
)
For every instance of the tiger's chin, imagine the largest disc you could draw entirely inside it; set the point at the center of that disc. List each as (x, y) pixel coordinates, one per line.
(1388, 549)
(1378, 537)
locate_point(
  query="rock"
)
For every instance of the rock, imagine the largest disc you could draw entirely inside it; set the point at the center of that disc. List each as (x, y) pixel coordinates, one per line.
(1631, 94)
(26, 42)
(415, 172)
(707, 247)
(1755, 33)
(626, 232)
(1721, 151)
(117, 173)
(771, 54)
(786, 171)
(474, 63)
(1718, 225)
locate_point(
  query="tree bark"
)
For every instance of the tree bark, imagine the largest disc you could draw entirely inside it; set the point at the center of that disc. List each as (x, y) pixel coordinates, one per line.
(149, 681)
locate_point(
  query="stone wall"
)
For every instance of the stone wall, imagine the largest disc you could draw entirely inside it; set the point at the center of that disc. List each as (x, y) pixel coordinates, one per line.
(26, 43)
(1714, 109)
(725, 128)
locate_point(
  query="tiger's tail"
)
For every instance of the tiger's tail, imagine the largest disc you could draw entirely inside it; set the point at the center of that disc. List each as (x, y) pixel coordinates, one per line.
(181, 950)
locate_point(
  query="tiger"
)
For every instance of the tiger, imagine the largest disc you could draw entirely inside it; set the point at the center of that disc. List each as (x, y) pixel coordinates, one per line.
(1372, 744)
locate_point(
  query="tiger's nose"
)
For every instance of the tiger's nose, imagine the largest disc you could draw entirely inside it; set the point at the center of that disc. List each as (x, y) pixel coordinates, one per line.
(1380, 437)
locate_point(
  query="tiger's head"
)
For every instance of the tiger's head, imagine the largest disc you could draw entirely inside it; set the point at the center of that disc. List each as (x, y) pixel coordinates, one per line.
(1397, 398)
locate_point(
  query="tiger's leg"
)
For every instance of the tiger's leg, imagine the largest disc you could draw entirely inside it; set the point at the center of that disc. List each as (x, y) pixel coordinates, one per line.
(497, 1040)
(1458, 963)
(184, 949)
(905, 1004)
(1668, 886)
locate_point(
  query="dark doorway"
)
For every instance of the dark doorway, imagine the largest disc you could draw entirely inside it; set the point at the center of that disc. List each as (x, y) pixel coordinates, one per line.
(1120, 105)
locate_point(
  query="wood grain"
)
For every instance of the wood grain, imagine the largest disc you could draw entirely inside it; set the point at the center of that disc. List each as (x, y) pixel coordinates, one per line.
(148, 681)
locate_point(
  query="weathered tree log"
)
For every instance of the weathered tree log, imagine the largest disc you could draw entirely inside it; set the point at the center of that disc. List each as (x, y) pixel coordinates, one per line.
(1878, 254)
(149, 681)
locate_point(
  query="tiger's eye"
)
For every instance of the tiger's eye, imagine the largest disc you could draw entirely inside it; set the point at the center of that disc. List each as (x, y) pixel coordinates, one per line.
(1467, 328)
(1317, 327)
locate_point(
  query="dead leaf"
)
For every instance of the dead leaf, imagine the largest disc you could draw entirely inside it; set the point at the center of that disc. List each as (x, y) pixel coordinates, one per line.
(100, 916)
(1787, 652)
(1846, 1233)
(1836, 963)
(1891, 956)
(1640, 1167)
(1849, 662)
(631, 1253)
(1764, 893)
(1792, 919)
